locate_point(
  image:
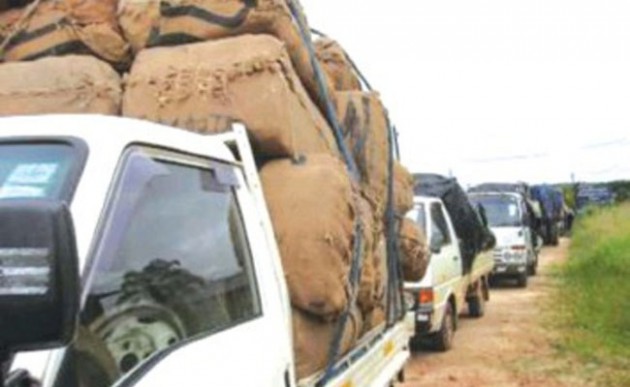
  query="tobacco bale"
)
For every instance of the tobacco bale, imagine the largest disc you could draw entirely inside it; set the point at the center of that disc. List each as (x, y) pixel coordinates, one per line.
(336, 66)
(403, 190)
(364, 121)
(312, 339)
(367, 287)
(414, 250)
(62, 27)
(71, 84)
(248, 78)
(151, 23)
(312, 209)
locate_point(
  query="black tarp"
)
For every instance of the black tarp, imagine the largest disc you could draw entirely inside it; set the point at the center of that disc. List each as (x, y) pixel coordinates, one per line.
(473, 234)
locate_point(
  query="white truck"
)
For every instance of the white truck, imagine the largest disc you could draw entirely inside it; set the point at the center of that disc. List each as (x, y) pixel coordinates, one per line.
(159, 214)
(450, 285)
(516, 252)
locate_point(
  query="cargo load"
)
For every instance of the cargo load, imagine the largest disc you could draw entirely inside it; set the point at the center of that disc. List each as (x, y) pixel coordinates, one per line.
(312, 209)
(403, 190)
(475, 236)
(312, 339)
(62, 27)
(413, 250)
(250, 78)
(151, 23)
(71, 84)
(336, 66)
(364, 122)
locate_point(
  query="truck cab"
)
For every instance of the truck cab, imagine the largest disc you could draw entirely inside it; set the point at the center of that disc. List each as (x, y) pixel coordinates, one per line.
(516, 251)
(179, 268)
(446, 289)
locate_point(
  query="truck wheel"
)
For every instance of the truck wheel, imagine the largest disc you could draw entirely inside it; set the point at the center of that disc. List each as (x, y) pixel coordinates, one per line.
(443, 339)
(521, 281)
(477, 304)
(532, 269)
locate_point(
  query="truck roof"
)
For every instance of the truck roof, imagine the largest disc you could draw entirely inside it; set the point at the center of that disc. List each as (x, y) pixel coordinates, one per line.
(112, 131)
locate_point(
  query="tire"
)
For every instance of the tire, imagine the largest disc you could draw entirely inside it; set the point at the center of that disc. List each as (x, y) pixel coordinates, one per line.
(443, 339)
(477, 304)
(532, 270)
(521, 280)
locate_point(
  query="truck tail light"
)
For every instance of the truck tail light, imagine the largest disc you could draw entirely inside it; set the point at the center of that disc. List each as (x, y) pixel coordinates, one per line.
(425, 296)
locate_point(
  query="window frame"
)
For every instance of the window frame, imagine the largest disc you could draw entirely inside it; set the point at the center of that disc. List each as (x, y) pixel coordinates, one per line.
(443, 228)
(184, 159)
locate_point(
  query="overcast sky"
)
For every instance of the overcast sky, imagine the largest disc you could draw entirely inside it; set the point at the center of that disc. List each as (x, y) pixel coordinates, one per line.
(498, 90)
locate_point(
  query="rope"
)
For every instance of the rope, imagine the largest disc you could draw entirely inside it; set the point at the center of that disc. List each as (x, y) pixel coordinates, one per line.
(298, 14)
(355, 271)
(28, 12)
(394, 285)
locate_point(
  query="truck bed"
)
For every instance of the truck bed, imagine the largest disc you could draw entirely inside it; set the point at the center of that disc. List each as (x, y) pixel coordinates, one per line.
(376, 361)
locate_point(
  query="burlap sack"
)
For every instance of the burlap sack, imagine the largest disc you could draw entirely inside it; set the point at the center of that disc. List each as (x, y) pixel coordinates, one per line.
(61, 27)
(150, 23)
(403, 190)
(313, 215)
(365, 296)
(375, 318)
(71, 84)
(414, 250)
(336, 66)
(312, 339)
(364, 121)
(247, 78)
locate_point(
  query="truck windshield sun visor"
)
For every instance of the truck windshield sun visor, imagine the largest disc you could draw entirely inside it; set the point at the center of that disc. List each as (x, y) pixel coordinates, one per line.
(41, 168)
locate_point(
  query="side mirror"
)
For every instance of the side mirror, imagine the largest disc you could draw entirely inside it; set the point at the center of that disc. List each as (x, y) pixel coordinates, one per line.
(39, 280)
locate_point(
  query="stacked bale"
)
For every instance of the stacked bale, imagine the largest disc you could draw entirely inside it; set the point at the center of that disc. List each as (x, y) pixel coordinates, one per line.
(61, 27)
(336, 65)
(247, 78)
(216, 74)
(414, 250)
(72, 84)
(150, 23)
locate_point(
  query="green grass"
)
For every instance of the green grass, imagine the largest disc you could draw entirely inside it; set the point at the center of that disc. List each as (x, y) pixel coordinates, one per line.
(594, 294)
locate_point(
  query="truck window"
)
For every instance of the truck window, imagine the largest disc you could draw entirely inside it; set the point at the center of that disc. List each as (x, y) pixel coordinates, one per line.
(38, 170)
(418, 215)
(172, 265)
(501, 211)
(439, 225)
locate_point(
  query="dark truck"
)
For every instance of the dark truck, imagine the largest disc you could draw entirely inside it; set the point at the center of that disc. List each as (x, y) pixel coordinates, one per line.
(552, 203)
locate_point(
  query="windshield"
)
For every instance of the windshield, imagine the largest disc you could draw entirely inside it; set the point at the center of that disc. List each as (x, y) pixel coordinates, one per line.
(37, 171)
(501, 211)
(417, 214)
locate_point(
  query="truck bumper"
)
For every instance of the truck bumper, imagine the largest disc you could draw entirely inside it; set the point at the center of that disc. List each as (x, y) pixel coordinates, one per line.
(424, 323)
(509, 270)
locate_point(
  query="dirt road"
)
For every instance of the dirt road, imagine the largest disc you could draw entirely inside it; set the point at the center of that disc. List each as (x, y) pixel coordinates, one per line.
(509, 346)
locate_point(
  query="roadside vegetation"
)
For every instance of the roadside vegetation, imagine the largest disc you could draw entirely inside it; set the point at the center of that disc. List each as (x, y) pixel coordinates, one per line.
(594, 295)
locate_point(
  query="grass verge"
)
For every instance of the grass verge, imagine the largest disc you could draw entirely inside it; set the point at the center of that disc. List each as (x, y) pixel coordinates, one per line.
(593, 310)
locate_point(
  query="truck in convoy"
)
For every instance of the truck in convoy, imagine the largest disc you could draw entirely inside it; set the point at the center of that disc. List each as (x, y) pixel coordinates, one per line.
(461, 261)
(552, 203)
(532, 205)
(516, 250)
(180, 275)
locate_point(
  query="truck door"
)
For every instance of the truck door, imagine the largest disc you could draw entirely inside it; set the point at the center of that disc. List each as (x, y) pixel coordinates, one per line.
(449, 268)
(172, 294)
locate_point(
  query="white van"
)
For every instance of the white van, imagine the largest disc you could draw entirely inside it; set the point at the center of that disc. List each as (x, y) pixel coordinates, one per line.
(516, 251)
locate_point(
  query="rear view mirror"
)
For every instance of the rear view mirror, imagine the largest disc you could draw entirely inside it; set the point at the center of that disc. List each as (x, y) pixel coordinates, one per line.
(39, 281)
